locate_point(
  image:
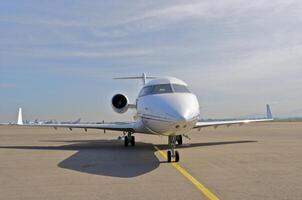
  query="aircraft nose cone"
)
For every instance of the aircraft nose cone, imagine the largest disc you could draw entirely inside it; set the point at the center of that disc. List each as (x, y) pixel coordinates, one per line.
(182, 110)
(182, 115)
(177, 107)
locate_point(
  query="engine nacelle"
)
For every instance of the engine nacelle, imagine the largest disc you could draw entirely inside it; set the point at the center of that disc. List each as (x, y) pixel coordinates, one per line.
(120, 103)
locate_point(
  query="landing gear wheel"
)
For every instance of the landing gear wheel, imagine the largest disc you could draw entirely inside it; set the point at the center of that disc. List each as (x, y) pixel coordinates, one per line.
(126, 141)
(169, 156)
(179, 139)
(176, 156)
(132, 141)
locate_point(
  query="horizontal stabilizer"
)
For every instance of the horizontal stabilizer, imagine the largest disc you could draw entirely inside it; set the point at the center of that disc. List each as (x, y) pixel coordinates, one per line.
(143, 77)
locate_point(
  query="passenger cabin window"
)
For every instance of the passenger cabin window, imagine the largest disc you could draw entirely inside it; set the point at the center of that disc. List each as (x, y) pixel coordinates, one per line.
(181, 88)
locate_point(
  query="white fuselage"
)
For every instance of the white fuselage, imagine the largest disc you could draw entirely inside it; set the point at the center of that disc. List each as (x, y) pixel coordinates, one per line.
(168, 113)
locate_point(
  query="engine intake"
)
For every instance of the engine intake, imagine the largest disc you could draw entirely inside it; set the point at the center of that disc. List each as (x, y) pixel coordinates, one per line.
(120, 103)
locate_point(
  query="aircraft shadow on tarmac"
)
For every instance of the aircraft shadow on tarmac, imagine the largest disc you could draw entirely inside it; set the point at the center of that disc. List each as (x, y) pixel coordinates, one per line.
(110, 158)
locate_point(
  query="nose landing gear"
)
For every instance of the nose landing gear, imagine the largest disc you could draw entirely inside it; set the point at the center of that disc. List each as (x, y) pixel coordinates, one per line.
(179, 139)
(172, 154)
(129, 139)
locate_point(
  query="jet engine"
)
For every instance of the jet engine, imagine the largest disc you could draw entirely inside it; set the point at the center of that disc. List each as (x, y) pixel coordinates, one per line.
(120, 103)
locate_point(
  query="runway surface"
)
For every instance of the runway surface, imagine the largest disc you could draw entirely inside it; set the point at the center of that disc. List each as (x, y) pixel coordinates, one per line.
(256, 161)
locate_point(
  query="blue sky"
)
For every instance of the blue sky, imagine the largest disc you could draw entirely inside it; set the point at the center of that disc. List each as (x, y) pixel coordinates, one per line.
(57, 58)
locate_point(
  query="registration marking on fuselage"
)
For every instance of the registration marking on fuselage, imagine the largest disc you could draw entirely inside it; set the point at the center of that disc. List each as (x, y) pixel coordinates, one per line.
(205, 191)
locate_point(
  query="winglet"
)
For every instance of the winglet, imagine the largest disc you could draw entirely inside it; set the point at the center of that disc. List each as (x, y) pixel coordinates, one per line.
(269, 114)
(20, 120)
(143, 77)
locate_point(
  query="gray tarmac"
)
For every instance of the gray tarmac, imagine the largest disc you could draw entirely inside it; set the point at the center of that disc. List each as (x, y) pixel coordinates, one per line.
(255, 161)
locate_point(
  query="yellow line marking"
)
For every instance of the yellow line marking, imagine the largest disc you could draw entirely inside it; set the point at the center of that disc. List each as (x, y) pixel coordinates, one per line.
(205, 191)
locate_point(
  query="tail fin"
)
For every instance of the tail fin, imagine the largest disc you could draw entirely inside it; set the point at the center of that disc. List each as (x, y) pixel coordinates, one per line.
(77, 121)
(144, 77)
(20, 119)
(269, 114)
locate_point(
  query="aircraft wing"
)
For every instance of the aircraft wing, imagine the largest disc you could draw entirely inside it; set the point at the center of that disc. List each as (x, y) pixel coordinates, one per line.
(106, 126)
(118, 126)
(228, 123)
(269, 117)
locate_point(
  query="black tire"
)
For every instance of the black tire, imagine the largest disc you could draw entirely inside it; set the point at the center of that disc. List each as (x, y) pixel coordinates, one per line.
(126, 141)
(169, 156)
(132, 141)
(179, 139)
(176, 156)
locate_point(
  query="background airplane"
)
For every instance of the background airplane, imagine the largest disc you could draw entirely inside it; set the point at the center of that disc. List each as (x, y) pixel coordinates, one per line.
(165, 106)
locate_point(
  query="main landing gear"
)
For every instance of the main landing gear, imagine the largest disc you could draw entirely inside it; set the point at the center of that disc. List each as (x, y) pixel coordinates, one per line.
(129, 139)
(172, 154)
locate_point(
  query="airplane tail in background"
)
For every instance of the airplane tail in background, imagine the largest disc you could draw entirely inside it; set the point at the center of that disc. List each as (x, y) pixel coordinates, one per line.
(143, 77)
(269, 114)
(20, 119)
(77, 121)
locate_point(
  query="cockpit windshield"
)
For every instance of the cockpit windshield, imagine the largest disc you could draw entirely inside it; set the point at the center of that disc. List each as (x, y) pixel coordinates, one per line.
(164, 88)
(180, 88)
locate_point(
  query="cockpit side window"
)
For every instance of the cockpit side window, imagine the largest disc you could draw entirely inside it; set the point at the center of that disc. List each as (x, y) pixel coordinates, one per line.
(146, 91)
(180, 88)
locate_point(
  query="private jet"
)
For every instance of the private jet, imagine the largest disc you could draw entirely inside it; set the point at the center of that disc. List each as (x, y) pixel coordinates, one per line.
(165, 106)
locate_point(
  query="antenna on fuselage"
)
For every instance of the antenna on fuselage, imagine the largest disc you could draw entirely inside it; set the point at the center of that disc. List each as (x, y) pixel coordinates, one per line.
(143, 77)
